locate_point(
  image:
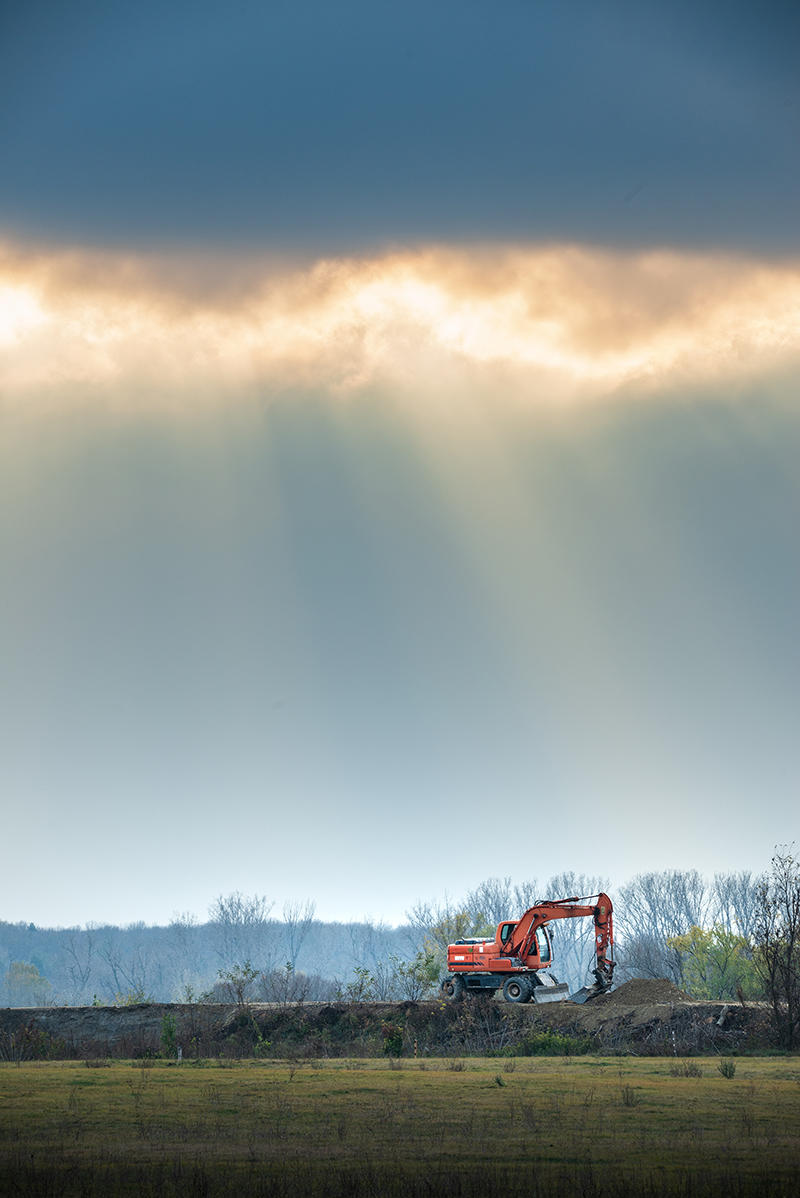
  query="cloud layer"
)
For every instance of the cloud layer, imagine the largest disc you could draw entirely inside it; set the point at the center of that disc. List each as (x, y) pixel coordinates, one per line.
(538, 325)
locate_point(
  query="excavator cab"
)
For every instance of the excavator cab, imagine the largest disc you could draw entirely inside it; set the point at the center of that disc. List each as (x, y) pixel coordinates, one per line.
(541, 945)
(545, 946)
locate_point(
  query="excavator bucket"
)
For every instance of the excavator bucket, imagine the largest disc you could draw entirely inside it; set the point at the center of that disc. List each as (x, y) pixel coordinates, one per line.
(549, 990)
(602, 984)
(583, 994)
(588, 992)
(551, 993)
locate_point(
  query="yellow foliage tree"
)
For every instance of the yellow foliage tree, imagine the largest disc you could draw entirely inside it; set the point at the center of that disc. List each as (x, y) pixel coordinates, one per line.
(26, 986)
(446, 931)
(716, 964)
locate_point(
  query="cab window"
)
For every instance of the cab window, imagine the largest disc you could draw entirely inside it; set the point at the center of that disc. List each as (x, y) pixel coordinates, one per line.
(543, 940)
(505, 932)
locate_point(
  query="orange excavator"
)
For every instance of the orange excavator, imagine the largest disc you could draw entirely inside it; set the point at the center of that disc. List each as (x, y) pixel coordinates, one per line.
(519, 958)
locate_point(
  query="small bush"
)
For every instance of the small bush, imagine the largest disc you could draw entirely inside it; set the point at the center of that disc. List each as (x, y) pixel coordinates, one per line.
(131, 998)
(727, 1067)
(686, 1069)
(392, 1038)
(31, 1043)
(169, 1036)
(551, 1044)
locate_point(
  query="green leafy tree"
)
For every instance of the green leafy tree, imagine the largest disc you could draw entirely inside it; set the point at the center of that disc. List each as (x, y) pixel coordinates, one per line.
(361, 988)
(237, 983)
(716, 963)
(414, 979)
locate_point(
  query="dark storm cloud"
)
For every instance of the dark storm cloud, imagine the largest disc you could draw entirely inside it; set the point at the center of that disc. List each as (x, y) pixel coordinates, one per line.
(328, 124)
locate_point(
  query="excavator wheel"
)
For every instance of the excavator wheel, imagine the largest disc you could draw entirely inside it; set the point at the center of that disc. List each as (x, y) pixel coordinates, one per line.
(454, 988)
(517, 990)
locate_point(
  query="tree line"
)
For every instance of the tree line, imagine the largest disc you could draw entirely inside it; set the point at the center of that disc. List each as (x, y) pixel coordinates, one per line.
(734, 937)
(187, 959)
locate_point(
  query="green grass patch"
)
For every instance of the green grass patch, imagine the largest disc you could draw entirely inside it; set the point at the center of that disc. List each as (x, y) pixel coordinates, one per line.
(546, 1127)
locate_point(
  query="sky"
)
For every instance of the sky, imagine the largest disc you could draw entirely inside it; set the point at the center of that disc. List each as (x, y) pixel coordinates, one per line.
(399, 438)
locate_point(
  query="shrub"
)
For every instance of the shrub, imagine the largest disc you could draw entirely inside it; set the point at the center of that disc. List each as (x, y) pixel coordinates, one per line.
(31, 1043)
(169, 1036)
(131, 998)
(237, 983)
(550, 1044)
(686, 1069)
(392, 1038)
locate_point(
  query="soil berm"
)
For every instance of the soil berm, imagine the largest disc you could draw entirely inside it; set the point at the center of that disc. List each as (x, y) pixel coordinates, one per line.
(644, 1016)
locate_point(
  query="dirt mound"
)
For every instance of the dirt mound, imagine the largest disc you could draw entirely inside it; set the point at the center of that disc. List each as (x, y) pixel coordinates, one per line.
(645, 992)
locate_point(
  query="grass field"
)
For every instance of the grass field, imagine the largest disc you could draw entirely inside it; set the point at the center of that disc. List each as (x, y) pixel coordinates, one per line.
(539, 1126)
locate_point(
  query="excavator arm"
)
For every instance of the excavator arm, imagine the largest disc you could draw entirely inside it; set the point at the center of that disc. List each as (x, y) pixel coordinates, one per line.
(520, 943)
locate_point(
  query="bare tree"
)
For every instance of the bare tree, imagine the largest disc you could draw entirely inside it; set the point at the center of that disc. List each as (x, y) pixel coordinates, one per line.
(655, 907)
(298, 919)
(668, 903)
(735, 899)
(490, 903)
(128, 963)
(184, 932)
(79, 947)
(573, 939)
(370, 949)
(525, 895)
(242, 931)
(435, 924)
(383, 981)
(290, 989)
(776, 937)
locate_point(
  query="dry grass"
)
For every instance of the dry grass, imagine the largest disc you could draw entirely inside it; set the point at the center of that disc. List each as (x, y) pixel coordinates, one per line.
(549, 1127)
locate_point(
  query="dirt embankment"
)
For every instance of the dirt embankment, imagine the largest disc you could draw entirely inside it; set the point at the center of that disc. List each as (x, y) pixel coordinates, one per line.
(645, 990)
(641, 1016)
(118, 1031)
(634, 1002)
(653, 1016)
